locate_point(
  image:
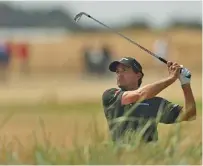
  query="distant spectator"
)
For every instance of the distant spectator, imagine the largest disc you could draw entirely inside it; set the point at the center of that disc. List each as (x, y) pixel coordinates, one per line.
(23, 54)
(87, 63)
(107, 57)
(161, 48)
(97, 60)
(5, 56)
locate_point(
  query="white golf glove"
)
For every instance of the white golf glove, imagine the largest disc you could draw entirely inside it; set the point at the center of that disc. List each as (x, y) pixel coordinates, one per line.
(185, 76)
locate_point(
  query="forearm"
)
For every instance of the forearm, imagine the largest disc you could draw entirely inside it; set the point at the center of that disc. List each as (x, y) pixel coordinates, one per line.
(189, 110)
(155, 88)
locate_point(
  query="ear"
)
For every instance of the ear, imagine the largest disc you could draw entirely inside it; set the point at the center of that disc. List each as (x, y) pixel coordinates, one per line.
(139, 75)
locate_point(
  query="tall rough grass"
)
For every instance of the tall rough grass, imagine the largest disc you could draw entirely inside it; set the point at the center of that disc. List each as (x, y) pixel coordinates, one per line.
(99, 151)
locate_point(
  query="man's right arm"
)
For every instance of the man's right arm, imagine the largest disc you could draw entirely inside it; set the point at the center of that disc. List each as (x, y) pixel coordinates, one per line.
(151, 90)
(147, 91)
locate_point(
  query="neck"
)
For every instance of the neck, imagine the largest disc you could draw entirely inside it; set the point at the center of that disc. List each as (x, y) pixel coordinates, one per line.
(133, 88)
(129, 88)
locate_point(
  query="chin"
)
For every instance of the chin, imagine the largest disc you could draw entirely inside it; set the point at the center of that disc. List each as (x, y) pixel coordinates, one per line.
(120, 86)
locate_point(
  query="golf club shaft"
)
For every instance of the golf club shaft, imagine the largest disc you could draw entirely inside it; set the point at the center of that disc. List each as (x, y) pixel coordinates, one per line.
(78, 16)
(133, 42)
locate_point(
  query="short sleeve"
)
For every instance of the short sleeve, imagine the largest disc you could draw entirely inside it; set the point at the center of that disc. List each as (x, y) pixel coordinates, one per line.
(170, 112)
(111, 96)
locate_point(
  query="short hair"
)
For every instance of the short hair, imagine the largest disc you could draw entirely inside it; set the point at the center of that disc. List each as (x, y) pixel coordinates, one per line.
(140, 80)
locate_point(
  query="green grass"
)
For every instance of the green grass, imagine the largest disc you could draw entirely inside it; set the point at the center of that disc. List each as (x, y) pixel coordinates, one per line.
(99, 151)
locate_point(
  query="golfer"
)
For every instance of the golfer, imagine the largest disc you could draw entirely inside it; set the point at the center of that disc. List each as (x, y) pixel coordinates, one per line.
(130, 108)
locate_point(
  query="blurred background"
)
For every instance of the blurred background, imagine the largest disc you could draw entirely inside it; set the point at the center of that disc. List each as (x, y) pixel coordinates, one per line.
(53, 71)
(45, 55)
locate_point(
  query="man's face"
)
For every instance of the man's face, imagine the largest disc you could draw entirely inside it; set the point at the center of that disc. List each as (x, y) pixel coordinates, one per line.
(126, 77)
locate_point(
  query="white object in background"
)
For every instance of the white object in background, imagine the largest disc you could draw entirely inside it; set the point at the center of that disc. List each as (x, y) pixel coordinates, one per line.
(161, 48)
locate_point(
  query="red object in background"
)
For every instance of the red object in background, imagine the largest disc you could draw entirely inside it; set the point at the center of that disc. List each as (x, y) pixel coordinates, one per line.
(22, 51)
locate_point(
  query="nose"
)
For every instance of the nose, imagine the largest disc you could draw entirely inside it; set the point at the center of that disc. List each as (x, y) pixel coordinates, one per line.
(119, 74)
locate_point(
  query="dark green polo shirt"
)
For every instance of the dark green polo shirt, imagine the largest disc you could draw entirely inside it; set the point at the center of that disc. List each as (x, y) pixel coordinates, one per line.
(140, 118)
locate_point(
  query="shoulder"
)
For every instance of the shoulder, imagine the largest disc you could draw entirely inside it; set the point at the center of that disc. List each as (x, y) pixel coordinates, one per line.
(111, 91)
(110, 95)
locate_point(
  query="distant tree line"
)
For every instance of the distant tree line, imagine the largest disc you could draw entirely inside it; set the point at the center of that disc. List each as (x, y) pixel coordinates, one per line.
(16, 18)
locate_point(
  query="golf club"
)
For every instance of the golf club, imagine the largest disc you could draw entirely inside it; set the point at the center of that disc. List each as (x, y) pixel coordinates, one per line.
(78, 17)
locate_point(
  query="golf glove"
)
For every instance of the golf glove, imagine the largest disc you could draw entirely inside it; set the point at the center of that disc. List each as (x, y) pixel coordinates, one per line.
(185, 76)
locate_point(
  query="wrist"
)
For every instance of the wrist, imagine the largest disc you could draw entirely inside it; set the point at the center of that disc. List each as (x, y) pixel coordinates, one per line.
(187, 85)
(172, 79)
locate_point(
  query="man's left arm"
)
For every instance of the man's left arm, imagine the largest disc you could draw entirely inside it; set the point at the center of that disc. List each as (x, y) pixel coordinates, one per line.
(189, 110)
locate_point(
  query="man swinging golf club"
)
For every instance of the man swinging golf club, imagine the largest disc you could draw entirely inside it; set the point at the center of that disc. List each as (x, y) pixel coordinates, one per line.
(130, 107)
(137, 105)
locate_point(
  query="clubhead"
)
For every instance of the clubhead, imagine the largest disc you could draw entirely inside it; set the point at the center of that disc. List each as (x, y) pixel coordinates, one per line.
(78, 16)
